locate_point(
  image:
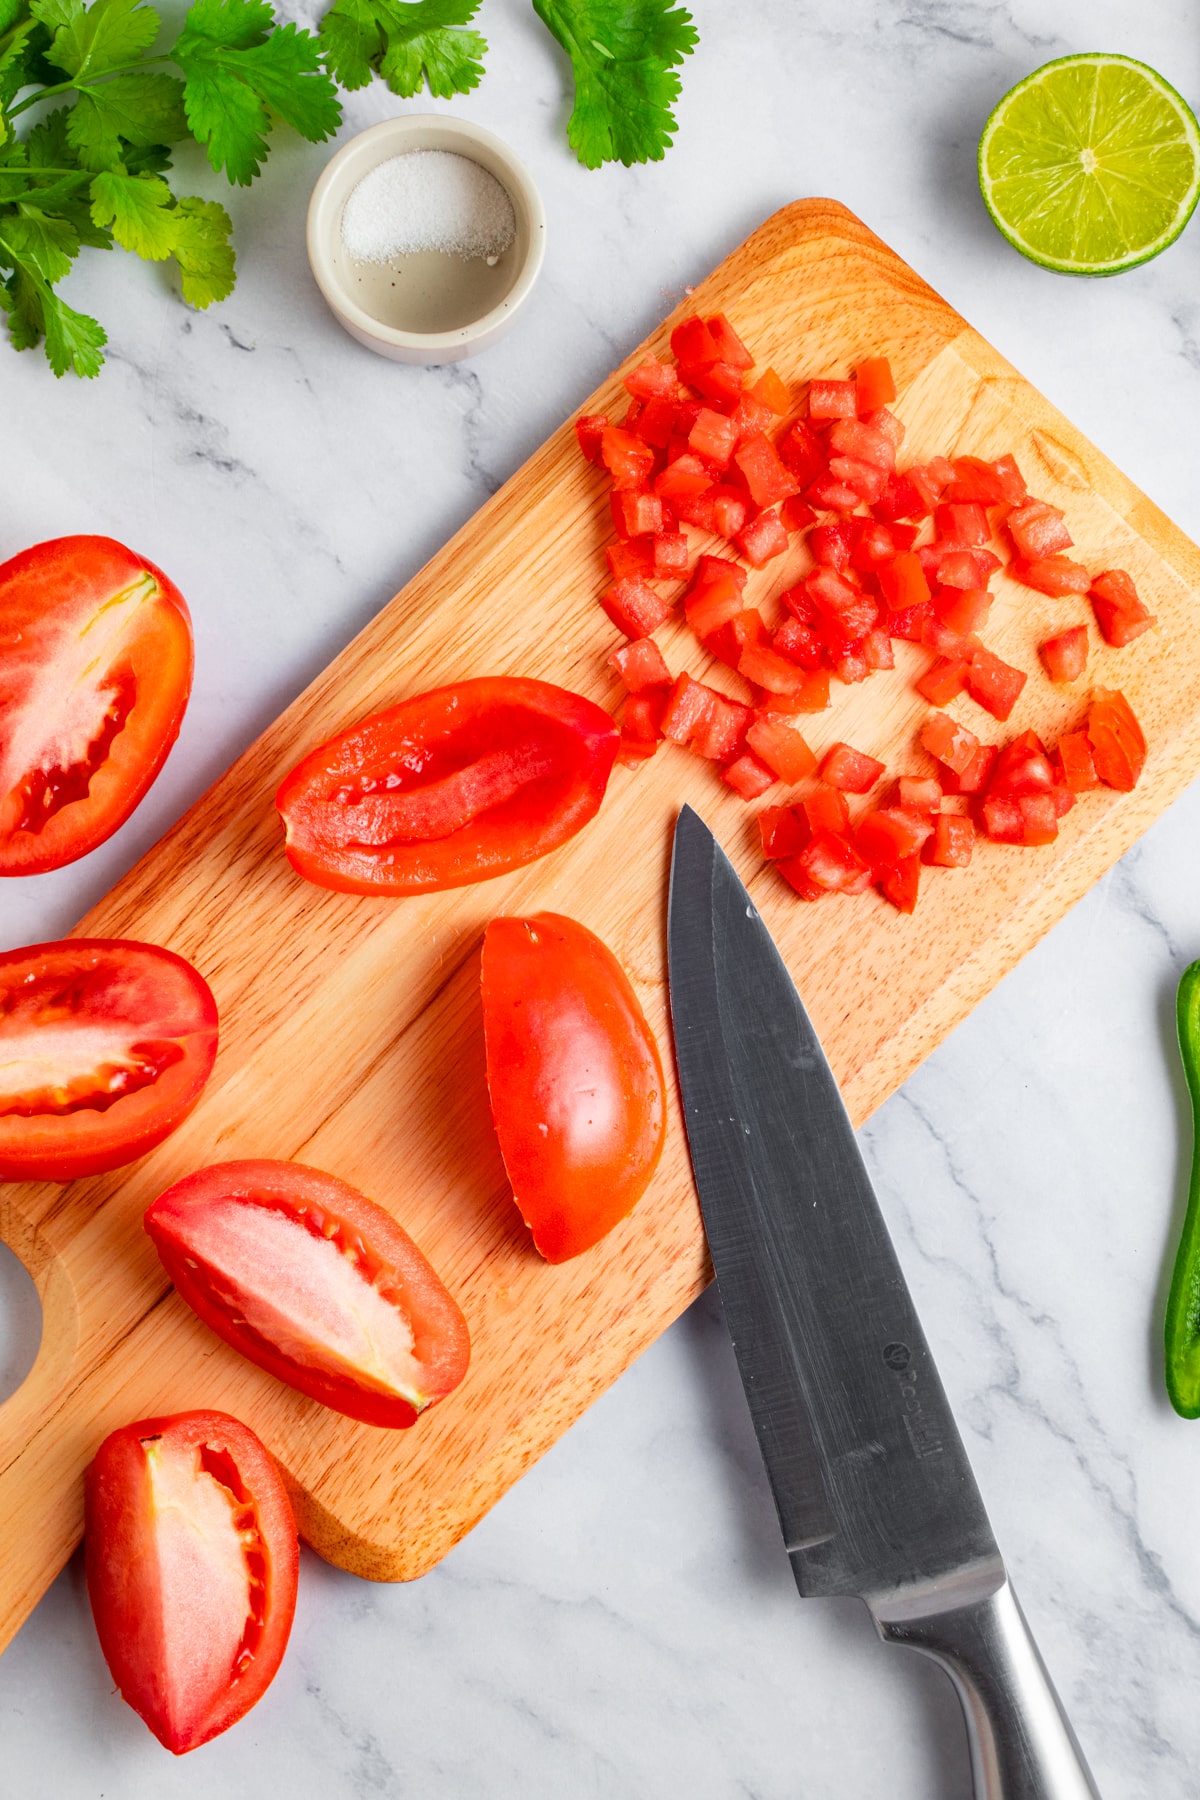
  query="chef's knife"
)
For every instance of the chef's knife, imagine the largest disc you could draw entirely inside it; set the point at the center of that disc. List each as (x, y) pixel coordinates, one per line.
(874, 1491)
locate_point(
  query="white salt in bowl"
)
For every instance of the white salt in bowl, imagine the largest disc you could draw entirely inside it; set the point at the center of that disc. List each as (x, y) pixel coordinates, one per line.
(425, 306)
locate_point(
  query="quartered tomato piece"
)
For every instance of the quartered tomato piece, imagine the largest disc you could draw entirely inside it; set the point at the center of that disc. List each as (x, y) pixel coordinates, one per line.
(95, 672)
(574, 1076)
(105, 1045)
(191, 1570)
(449, 787)
(316, 1284)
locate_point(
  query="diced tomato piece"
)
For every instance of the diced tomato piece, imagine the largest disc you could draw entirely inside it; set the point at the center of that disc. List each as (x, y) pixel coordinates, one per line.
(873, 544)
(657, 421)
(1075, 758)
(730, 511)
(784, 831)
(628, 460)
(634, 607)
(828, 494)
(632, 752)
(1063, 798)
(781, 748)
(747, 776)
(832, 400)
(952, 841)
(963, 610)
(901, 882)
(826, 809)
(1038, 530)
(767, 669)
(720, 382)
(684, 479)
(1015, 492)
(715, 594)
(730, 347)
(1022, 767)
(851, 665)
(847, 612)
(909, 622)
(641, 721)
(589, 428)
(750, 416)
(1117, 742)
(867, 481)
(1003, 821)
(962, 523)
(956, 646)
(877, 649)
(770, 391)
(635, 512)
(713, 436)
(812, 698)
(801, 644)
(998, 483)
(919, 793)
(966, 568)
(874, 384)
(652, 379)
(994, 684)
(697, 509)
(796, 877)
(901, 499)
(796, 513)
(1039, 816)
(832, 863)
(763, 538)
(931, 478)
(730, 639)
(903, 582)
(640, 665)
(974, 778)
(832, 543)
(944, 680)
(1065, 657)
(1120, 612)
(670, 555)
(889, 835)
(689, 706)
(766, 477)
(1055, 575)
(723, 736)
(631, 556)
(851, 770)
(803, 452)
(949, 742)
(694, 345)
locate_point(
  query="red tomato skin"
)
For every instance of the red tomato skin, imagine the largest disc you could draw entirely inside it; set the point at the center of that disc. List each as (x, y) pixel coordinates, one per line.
(465, 721)
(109, 980)
(441, 1339)
(68, 579)
(564, 1036)
(124, 1579)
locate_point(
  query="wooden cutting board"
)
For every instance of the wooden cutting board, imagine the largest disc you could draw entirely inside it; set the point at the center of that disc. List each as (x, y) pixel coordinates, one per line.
(350, 1027)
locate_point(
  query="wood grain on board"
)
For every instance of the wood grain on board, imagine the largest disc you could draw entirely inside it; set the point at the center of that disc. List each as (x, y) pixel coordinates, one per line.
(350, 1027)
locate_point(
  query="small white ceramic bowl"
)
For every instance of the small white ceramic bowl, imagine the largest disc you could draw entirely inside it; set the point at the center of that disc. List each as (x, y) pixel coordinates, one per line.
(361, 295)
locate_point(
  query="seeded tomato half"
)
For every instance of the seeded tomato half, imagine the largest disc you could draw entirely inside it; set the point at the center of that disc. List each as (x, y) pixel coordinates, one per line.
(105, 1045)
(574, 1076)
(449, 787)
(95, 673)
(192, 1561)
(316, 1284)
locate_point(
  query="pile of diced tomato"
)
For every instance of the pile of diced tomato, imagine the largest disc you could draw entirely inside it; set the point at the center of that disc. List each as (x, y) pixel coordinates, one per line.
(897, 553)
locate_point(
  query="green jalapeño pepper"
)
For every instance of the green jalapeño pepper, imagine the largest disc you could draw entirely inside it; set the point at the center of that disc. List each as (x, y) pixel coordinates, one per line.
(1183, 1306)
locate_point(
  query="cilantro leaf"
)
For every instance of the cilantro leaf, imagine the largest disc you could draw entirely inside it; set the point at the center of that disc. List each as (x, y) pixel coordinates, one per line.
(93, 40)
(73, 340)
(130, 109)
(137, 208)
(40, 242)
(624, 54)
(411, 43)
(203, 251)
(237, 71)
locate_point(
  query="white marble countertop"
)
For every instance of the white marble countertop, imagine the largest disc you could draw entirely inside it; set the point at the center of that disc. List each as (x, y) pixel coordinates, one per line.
(624, 1623)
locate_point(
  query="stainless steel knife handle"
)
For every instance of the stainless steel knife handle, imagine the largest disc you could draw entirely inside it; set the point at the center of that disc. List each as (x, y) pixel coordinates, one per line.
(1022, 1745)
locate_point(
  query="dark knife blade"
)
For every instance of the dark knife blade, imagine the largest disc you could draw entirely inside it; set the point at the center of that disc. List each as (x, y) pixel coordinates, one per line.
(874, 1491)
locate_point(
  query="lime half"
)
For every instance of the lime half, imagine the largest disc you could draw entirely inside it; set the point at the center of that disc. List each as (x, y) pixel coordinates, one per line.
(1091, 164)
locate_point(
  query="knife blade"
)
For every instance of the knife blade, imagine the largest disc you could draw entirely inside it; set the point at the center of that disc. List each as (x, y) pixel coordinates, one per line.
(874, 1491)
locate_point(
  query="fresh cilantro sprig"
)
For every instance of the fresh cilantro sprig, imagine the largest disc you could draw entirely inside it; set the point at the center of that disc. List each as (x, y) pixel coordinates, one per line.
(92, 171)
(624, 54)
(411, 43)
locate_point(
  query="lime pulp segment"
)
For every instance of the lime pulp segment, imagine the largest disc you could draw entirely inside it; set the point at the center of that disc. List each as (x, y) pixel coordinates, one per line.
(1091, 164)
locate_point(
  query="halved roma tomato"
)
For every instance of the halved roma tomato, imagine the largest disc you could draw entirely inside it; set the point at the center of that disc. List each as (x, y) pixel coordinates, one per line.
(574, 1076)
(191, 1569)
(316, 1284)
(105, 1045)
(449, 787)
(95, 673)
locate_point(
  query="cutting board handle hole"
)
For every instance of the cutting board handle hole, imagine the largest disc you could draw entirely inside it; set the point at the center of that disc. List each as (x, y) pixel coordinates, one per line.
(20, 1322)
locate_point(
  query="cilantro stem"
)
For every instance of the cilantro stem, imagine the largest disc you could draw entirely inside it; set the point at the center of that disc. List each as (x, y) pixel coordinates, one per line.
(82, 87)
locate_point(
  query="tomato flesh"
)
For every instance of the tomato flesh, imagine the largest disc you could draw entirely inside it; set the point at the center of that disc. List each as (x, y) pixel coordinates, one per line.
(192, 1561)
(447, 788)
(316, 1284)
(574, 1076)
(95, 673)
(105, 1045)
